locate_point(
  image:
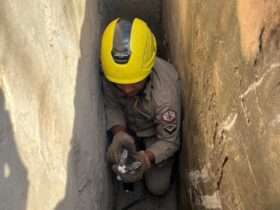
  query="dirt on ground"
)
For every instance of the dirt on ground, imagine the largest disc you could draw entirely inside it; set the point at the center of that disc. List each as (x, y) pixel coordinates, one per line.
(140, 198)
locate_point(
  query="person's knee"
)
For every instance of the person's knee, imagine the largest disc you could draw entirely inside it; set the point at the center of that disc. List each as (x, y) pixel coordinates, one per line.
(158, 178)
(158, 188)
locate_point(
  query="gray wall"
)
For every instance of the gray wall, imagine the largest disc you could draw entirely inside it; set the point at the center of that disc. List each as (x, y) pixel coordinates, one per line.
(52, 140)
(227, 53)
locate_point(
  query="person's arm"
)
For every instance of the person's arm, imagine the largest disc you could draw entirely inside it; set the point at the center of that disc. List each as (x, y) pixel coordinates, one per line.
(150, 155)
(117, 128)
(168, 119)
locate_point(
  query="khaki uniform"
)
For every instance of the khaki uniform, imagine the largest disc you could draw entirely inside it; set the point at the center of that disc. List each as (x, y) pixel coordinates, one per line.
(153, 115)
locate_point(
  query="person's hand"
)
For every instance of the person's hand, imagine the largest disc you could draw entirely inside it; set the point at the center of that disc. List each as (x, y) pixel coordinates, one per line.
(121, 140)
(145, 158)
(138, 173)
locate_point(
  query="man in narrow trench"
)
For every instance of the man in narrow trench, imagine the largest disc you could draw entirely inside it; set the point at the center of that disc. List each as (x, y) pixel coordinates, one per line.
(142, 103)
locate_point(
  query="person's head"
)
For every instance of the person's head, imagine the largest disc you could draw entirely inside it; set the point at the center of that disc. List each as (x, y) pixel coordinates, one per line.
(128, 53)
(131, 89)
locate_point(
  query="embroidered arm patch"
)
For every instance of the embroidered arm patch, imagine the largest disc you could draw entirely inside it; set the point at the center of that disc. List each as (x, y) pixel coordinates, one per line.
(169, 116)
(170, 129)
(168, 119)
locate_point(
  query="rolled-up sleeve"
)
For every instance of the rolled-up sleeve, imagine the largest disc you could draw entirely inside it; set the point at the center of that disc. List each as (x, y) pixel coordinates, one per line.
(113, 110)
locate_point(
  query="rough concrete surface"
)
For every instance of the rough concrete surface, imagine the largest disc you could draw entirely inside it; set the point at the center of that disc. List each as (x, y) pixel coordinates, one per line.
(52, 137)
(227, 53)
(52, 141)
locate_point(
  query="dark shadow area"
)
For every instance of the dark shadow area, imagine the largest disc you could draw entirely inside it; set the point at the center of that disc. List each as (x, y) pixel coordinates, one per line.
(148, 10)
(87, 184)
(13, 174)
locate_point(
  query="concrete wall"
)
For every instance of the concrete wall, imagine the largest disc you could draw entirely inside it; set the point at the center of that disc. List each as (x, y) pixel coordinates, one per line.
(52, 141)
(228, 55)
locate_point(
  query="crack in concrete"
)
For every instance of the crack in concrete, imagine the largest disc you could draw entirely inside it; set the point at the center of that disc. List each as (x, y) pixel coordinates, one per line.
(228, 124)
(257, 83)
(253, 87)
(222, 172)
(84, 185)
(248, 162)
(245, 111)
(260, 47)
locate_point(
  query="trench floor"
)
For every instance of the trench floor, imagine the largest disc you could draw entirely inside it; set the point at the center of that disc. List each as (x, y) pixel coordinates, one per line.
(166, 202)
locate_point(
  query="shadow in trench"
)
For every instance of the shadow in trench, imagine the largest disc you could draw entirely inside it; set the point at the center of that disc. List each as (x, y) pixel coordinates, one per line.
(85, 169)
(149, 11)
(13, 174)
(87, 180)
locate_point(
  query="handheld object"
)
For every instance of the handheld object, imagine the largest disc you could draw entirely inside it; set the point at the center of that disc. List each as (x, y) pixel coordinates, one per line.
(127, 164)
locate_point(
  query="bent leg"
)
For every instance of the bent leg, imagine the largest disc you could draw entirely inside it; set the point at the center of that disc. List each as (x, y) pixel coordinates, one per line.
(158, 177)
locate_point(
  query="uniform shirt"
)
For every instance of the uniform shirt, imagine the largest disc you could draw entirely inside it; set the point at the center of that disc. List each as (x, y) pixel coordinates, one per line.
(154, 114)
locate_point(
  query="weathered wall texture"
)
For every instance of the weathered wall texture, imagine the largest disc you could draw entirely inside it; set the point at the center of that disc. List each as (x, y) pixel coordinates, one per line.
(51, 119)
(228, 54)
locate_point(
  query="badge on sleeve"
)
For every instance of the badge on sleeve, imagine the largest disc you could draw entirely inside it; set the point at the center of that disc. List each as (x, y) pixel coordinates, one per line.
(170, 129)
(169, 116)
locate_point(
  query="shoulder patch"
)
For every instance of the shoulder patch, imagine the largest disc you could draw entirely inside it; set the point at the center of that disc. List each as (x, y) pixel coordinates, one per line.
(168, 116)
(170, 129)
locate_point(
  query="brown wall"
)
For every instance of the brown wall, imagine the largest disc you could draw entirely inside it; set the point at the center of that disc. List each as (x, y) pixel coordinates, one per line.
(227, 53)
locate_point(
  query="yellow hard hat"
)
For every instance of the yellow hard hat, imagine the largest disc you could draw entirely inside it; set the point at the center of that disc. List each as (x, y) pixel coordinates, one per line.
(128, 51)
